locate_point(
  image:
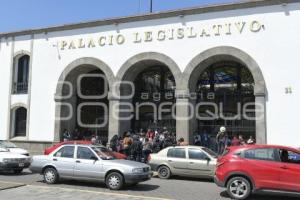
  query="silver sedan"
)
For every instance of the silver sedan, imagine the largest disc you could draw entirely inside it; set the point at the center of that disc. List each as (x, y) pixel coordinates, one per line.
(88, 162)
(192, 161)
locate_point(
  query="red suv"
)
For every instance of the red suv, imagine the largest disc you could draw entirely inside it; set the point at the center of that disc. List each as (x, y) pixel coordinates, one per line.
(259, 168)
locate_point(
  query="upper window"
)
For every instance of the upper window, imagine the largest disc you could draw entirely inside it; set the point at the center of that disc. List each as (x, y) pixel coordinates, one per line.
(197, 154)
(261, 154)
(21, 74)
(176, 153)
(85, 153)
(65, 152)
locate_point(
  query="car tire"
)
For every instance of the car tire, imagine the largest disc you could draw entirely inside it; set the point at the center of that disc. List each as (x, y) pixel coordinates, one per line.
(114, 181)
(50, 175)
(238, 188)
(18, 171)
(164, 172)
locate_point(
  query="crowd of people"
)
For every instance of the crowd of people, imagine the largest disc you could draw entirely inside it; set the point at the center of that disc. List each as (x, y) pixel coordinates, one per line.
(138, 145)
(221, 140)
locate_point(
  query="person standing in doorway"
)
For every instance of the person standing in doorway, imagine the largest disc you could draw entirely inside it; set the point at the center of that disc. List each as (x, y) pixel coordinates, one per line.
(220, 139)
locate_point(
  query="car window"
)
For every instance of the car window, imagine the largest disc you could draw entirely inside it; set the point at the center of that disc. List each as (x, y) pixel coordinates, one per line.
(261, 154)
(65, 152)
(85, 153)
(210, 152)
(197, 154)
(289, 156)
(176, 153)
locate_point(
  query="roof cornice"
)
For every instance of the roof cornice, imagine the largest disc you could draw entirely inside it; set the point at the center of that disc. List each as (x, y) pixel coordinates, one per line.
(152, 16)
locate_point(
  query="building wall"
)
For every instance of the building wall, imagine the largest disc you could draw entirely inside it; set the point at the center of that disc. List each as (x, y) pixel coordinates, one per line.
(274, 48)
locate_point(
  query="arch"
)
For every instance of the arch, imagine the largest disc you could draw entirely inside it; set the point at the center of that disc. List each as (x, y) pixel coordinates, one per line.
(20, 53)
(85, 61)
(17, 105)
(129, 69)
(227, 53)
(200, 62)
(87, 64)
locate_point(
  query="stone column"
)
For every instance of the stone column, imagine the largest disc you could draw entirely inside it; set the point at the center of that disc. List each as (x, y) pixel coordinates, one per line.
(260, 114)
(113, 116)
(57, 122)
(182, 115)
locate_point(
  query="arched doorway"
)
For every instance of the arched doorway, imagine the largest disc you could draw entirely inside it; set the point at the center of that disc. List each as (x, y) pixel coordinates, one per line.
(225, 89)
(154, 86)
(153, 77)
(82, 103)
(236, 77)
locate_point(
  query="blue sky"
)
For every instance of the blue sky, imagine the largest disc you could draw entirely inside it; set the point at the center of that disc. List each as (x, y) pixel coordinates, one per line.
(26, 14)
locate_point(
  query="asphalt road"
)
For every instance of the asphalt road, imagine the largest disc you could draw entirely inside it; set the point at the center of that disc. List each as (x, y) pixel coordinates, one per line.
(33, 187)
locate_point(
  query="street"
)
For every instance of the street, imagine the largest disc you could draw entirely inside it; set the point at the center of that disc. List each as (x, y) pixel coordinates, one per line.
(31, 186)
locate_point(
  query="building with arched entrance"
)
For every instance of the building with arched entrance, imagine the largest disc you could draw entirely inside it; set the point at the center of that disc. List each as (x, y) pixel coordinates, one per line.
(189, 71)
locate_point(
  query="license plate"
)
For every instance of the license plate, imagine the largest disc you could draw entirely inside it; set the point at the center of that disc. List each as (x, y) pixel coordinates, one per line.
(21, 164)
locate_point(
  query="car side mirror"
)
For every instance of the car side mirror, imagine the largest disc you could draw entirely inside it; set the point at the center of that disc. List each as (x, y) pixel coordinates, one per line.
(94, 158)
(208, 159)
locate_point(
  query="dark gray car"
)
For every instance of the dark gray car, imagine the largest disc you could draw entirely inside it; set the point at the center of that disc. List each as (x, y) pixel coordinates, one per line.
(88, 162)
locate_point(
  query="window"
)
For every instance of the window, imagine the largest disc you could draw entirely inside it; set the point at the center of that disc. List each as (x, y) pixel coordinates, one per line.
(65, 152)
(261, 154)
(289, 156)
(21, 74)
(20, 120)
(197, 154)
(85, 153)
(176, 153)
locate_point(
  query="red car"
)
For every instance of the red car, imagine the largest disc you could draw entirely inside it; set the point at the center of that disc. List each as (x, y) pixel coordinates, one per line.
(104, 149)
(259, 168)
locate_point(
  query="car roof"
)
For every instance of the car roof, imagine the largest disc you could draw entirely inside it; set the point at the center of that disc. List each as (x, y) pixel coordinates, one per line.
(256, 146)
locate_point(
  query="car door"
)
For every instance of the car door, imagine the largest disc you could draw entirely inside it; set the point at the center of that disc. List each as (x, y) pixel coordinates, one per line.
(263, 165)
(87, 164)
(177, 159)
(64, 161)
(290, 170)
(199, 163)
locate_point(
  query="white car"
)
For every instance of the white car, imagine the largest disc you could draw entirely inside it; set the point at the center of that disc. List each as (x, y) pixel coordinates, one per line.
(12, 161)
(13, 148)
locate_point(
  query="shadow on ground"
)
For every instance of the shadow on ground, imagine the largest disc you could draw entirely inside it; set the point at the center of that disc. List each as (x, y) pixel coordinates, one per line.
(264, 197)
(141, 187)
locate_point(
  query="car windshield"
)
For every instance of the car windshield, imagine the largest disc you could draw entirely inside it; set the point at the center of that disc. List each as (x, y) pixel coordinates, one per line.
(6, 144)
(210, 152)
(103, 153)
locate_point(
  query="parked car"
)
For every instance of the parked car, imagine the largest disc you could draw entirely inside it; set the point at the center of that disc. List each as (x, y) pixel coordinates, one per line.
(13, 148)
(88, 162)
(12, 161)
(117, 155)
(193, 161)
(259, 168)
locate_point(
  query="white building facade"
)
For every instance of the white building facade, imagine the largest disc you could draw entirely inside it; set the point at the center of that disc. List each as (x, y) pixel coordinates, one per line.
(259, 38)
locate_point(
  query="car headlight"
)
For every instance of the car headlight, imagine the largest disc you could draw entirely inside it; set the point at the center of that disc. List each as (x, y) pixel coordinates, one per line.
(137, 170)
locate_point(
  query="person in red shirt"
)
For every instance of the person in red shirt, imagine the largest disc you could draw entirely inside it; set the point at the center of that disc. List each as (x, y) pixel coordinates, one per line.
(235, 141)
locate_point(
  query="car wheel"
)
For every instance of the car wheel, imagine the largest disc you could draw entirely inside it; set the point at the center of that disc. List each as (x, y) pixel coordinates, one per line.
(238, 188)
(164, 172)
(114, 181)
(18, 171)
(50, 175)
